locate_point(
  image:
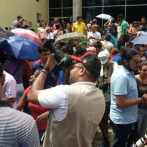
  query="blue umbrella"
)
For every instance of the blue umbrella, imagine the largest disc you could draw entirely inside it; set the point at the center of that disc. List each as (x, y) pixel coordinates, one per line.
(20, 47)
(140, 40)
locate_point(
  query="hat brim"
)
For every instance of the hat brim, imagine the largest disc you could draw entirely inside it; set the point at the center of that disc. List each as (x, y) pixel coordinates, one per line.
(104, 62)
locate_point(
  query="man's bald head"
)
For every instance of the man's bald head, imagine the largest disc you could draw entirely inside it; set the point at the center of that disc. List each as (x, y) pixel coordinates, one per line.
(92, 49)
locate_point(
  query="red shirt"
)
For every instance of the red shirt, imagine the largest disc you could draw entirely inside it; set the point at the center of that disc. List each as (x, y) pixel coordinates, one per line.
(36, 111)
(54, 27)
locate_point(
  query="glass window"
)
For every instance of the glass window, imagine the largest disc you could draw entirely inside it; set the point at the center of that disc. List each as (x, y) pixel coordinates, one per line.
(67, 3)
(132, 2)
(54, 3)
(114, 2)
(91, 3)
(67, 12)
(90, 13)
(133, 10)
(55, 13)
(114, 11)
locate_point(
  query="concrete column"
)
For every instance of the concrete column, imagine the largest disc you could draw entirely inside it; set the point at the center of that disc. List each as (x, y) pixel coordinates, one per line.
(77, 9)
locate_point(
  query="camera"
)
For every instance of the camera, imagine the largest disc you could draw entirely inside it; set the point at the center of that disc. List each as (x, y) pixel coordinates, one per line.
(104, 86)
(63, 61)
(140, 142)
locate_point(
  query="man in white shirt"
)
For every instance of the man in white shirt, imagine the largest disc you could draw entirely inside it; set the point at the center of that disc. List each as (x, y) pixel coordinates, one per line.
(93, 35)
(80, 104)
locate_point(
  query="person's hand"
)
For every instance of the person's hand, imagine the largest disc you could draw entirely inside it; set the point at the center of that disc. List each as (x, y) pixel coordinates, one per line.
(145, 142)
(51, 62)
(108, 79)
(145, 96)
(41, 119)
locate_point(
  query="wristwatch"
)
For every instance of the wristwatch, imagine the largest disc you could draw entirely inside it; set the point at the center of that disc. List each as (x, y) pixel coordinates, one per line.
(143, 99)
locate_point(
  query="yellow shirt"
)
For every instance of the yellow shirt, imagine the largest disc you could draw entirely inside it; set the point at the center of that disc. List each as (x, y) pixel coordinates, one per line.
(79, 28)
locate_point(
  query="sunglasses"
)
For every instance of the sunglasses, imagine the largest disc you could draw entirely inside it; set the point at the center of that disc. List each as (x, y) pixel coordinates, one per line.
(137, 61)
(144, 70)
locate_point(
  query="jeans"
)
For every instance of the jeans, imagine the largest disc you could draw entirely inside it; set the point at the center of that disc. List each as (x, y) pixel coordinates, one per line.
(125, 135)
(142, 122)
(41, 132)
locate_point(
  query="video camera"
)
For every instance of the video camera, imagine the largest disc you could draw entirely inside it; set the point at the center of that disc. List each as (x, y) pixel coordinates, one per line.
(64, 61)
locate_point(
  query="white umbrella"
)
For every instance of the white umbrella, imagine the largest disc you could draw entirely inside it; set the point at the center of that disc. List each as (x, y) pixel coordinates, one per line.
(104, 16)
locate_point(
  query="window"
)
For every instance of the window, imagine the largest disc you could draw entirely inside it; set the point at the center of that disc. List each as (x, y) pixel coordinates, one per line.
(54, 3)
(91, 3)
(114, 11)
(114, 2)
(133, 2)
(139, 11)
(67, 12)
(90, 13)
(67, 3)
(55, 13)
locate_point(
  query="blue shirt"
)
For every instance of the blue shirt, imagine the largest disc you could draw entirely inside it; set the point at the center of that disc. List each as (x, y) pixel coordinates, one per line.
(116, 58)
(51, 79)
(113, 40)
(123, 82)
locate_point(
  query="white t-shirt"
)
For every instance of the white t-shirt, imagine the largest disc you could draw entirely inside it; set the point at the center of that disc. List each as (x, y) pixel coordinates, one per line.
(14, 22)
(55, 98)
(50, 36)
(96, 34)
(9, 87)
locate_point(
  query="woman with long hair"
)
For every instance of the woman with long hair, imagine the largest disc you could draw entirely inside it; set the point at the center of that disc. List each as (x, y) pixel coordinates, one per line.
(142, 89)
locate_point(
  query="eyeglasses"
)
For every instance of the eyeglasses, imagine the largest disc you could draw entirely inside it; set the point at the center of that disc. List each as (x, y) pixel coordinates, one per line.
(137, 61)
(45, 54)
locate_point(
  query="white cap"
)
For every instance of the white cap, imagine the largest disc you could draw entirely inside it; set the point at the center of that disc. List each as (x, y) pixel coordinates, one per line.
(103, 56)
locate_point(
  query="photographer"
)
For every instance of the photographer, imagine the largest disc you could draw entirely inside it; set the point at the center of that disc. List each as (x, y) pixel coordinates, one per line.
(77, 108)
(107, 69)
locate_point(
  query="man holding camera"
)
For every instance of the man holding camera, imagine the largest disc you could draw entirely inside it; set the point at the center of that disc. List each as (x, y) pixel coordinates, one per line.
(107, 69)
(77, 108)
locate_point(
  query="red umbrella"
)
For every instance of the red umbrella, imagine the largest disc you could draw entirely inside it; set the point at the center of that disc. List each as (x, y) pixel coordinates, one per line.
(27, 33)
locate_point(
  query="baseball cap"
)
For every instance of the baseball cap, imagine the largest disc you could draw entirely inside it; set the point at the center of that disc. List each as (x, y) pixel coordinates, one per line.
(83, 42)
(103, 56)
(90, 62)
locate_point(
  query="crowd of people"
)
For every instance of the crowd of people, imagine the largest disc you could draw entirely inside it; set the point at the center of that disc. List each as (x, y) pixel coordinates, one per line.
(105, 80)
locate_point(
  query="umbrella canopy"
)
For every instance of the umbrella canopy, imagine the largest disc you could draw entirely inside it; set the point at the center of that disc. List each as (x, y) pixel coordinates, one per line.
(104, 16)
(27, 33)
(73, 38)
(140, 40)
(9, 33)
(20, 47)
(3, 34)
